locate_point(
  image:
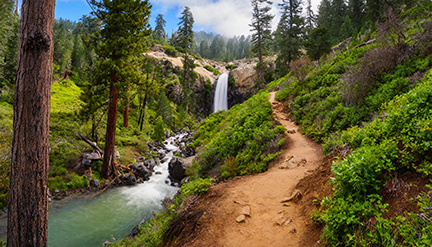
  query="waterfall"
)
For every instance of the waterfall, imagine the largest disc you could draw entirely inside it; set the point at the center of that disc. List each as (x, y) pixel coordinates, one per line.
(220, 99)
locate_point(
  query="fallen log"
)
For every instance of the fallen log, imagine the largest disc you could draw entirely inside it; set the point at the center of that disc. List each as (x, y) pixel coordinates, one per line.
(92, 144)
(100, 192)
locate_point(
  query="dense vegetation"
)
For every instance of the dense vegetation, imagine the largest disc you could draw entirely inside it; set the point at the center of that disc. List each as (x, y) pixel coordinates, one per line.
(375, 99)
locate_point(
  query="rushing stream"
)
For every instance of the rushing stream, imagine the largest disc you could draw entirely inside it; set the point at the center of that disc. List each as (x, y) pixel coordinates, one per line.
(77, 221)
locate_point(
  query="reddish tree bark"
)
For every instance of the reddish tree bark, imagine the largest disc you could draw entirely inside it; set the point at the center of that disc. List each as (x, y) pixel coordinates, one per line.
(28, 193)
(108, 167)
(126, 116)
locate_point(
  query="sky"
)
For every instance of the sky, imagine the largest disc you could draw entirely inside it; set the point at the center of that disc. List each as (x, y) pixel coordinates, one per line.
(226, 17)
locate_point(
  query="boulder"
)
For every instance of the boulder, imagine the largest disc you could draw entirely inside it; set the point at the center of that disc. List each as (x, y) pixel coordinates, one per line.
(94, 183)
(92, 156)
(86, 162)
(117, 155)
(177, 169)
(141, 169)
(150, 164)
(130, 179)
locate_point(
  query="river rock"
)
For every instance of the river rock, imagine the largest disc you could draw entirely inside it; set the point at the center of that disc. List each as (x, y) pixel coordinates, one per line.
(130, 179)
(176, 169)
(94, 183)
(150, 164)
(142, 171)
(86, 162)
(92, 156)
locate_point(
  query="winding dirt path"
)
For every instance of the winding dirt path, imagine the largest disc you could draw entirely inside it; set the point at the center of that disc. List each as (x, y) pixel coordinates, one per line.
(271, 222)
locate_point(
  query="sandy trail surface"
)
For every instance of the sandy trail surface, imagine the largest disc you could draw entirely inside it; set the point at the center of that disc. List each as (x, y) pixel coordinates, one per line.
(271, 221)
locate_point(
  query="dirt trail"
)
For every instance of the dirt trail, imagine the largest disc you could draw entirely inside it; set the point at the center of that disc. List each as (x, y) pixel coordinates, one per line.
(271, 223)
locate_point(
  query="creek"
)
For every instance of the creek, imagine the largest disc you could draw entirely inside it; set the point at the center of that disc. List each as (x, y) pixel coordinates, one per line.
(77, 221)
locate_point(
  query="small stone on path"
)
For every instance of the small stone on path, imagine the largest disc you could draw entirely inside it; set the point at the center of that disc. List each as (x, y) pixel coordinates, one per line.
(241, 218)
(246, 211)
(295, 195)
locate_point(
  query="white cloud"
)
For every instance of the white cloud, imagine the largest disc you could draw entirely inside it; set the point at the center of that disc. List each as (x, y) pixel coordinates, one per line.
(227, 17)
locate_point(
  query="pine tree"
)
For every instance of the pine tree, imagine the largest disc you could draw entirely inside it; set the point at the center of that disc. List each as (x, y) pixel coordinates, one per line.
(324, 18)
(347, 28)
(121, 40)
(310, 18)
(261, 28)
(159, 32)
(204, 49)
(28, 192)
(289, 34)
(356, 13)
(185, 34)
(338, 13)
(318, 43)
(185, 38)
(11, 57)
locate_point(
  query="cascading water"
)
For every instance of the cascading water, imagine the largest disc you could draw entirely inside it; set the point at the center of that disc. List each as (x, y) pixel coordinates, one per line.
(221, 98)
(78, 221)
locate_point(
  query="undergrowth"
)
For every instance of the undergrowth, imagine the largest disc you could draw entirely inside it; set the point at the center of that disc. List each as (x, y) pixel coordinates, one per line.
(240, 141)
(395, 143)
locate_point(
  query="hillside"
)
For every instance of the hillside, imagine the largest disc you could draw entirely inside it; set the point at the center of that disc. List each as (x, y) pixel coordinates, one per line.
(368, 103)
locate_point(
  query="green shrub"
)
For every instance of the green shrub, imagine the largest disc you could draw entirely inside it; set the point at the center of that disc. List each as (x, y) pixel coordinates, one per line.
(246, 133)
(211, 69)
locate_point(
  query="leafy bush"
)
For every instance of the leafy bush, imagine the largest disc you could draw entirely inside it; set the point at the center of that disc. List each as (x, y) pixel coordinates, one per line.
(400, 140)
(246, 132)
(170, 51)
(231, 67)
(211, 69)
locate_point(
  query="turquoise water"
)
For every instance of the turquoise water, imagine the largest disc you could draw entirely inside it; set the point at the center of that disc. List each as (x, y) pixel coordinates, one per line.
(78, 221)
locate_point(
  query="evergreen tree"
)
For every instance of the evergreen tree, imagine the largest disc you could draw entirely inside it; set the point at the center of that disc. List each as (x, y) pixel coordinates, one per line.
(6, 31)
(122, 39)
(338, 13)
(347, 28)
(204, 49)
(185, 38)
(185, 34)
(324, 18)
(159, 32)
(11, 57)
(310, 18)
(261, 28)
(289, 34)
(356, 14)
(318, 43)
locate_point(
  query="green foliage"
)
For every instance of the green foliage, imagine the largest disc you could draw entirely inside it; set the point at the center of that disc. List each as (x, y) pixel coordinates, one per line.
(5, 154)
(69, 181)
(231, 67)
(240, 141)
(399, 140)
(197, 186)
(65, 97)
(211, 69)
(318, 43)
(288, 35)
(158, 133)
(170, 51)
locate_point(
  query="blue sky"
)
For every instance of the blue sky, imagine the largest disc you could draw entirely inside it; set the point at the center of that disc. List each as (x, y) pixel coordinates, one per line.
(227, 17)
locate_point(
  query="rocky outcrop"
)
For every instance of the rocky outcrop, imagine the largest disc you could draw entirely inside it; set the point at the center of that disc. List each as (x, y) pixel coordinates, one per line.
(245, 85)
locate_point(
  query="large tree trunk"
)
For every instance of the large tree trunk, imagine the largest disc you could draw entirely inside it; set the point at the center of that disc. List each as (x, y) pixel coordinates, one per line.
(126, 116)
(108, 167)
(28, 193)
